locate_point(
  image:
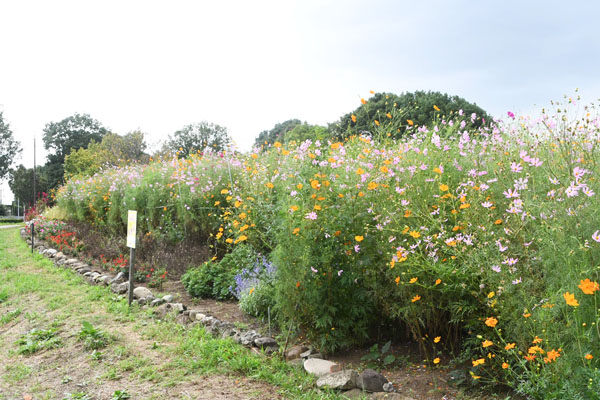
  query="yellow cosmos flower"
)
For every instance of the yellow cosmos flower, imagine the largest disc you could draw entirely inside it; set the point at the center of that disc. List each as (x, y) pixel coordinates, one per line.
(444, 187)
(437, 339)
(359, 238)
(413, 280)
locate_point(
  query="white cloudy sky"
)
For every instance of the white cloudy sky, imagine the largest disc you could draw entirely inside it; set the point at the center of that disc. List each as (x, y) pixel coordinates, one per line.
(159, 65)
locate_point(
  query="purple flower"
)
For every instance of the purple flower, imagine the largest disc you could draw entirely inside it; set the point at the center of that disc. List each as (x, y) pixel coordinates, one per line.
(340, 272)
(496, 268)
(314, 270)
(511, 115)
(357, 248)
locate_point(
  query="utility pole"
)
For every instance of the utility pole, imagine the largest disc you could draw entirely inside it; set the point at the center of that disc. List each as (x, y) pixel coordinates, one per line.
(34, 196)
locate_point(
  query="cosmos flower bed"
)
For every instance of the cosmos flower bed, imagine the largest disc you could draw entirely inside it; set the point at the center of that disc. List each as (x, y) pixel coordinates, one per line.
(480, 243)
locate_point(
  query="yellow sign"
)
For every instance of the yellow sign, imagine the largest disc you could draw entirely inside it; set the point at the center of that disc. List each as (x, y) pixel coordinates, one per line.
(131, 226)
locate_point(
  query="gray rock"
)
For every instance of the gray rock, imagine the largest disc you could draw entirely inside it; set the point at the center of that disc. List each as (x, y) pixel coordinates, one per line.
(229, 332)
(71, 261)
(388, 387)
(168, 298)
(141, 292)
(371, 381)
(263, 342)
(319, 367)
(51, 252)
(343, 380)
(390, 396)
(120, 288)
(315, 355)
(178, 307)
(157, 302)
(87, 273)
(120, 276)
(199, 316)
(60, 255)
(247, 338)
(105, 279)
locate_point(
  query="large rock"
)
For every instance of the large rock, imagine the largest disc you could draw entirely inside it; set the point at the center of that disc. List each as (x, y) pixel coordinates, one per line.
(263, 342)
(120, 288)
(295, 352)
(120, 276)
(247, 338)
(141, 292)
(343, 380)
(319, 367)
(371, 381)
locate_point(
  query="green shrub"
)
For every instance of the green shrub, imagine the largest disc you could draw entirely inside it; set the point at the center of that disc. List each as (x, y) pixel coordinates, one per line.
(216, 279)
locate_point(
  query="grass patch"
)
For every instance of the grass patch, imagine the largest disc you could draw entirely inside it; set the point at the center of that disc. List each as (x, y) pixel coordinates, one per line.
(16, 372)
(9, 316)
(92, 338)
(38, 339)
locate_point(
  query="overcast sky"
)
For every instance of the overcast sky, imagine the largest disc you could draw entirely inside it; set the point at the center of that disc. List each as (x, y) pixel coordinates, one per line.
(246, 65)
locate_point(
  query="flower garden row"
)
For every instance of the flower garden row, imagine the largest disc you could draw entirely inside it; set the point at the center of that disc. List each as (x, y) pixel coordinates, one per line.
(482, 243)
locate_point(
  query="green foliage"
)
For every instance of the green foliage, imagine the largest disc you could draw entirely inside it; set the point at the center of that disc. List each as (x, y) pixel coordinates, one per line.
(72, 133)
(277, 133)
(198, 138)
(303, 132)
(216, 279)
(9, 316)
(120, 395)
(418, 107)
(21, 183)
(258, 302)
(114, 150)
(379, 358)
(38, 339)
(92, 338)
(210, 280)
(9, 148)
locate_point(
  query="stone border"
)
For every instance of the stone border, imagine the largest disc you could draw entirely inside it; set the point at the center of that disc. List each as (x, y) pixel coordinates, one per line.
(162, 306)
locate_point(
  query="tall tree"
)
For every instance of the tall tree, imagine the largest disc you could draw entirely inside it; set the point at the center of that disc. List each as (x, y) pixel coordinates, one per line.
(9, 148)
(198, 137)
(73, 132)
(277, 134)
(114, 150)
(21, 180)
(418, 107)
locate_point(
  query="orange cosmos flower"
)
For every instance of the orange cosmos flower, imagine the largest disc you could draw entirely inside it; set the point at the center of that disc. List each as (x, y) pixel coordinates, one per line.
(437, 339)
(436, 108)
(570, 299)
(415, 299)
(505, 365)
(537, 340)
(397, 280)
(509, 346)
(438, 281)
(436, 360)
(491, 322)
(359, 238)
(363, 101)
(353, 117)
(376, 122)
(444, 187)
(388, 115)
(413, 280)
(552, 355)
(588, 287)
(410, 122)
(487, 343)
(588, 356)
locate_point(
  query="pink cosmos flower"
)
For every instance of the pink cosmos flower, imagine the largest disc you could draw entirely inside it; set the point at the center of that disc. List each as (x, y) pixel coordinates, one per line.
(511, 115)
(596, 236)
(311, 215)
